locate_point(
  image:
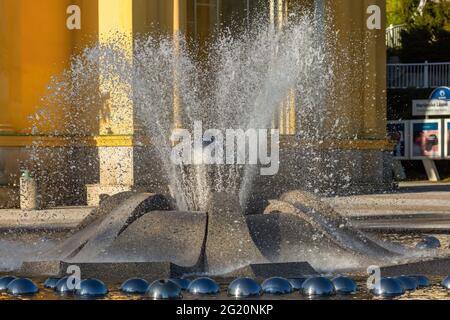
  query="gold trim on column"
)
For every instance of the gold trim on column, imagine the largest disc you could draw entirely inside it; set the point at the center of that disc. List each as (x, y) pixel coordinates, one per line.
(362, 145)
(67, 141)
(6, 129)
(130, 141)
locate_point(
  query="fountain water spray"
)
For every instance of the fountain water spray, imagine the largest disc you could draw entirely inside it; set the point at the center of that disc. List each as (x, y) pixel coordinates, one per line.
(241, 85)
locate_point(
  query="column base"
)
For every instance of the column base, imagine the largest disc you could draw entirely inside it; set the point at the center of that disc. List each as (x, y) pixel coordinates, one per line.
(96, 191)
(5, 129)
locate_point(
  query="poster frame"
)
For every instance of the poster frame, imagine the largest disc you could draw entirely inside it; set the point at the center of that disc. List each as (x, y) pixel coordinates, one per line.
(411, 137)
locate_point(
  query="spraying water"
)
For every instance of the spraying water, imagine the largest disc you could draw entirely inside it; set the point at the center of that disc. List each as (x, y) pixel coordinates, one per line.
(243, 83)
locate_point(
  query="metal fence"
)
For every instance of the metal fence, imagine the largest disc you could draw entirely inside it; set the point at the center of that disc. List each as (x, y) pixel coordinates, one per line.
(418, 75)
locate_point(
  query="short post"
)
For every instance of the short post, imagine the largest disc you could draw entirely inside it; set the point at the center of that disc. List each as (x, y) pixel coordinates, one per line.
(431, 169)
(28, 192)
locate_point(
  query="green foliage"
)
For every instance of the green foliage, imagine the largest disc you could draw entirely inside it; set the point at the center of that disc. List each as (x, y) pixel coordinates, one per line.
(435, 17)
(399, 11)
(422, 44)
(426, 36)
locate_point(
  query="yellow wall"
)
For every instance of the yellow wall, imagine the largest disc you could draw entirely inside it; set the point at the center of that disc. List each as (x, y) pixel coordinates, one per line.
(35, 44)
(38, 46)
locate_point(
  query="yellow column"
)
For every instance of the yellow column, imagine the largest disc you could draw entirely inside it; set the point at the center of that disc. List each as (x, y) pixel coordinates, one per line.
(115, 26)
(38, 46)
(360, 60)
(375, 78)
(177, 117)
(345, 50)
(6, 25)
(359, 66)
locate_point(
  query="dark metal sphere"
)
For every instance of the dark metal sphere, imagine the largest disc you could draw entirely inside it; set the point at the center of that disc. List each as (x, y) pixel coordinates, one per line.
(422, 281)
(203, 286)
(244, 288)
(135, 286)
(297, 283)
(277, 285)
(51, 283)
(22, 287)
(182, 283)
(4, 281)
(344, 285)
(446, 283)
(92, 288)
(408, 283)
(318, 286)
(389, 287)
(164, 290)
(428, 243)
(62, 286)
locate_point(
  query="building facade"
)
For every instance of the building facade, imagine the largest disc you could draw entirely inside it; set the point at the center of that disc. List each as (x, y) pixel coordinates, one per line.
(35, 44)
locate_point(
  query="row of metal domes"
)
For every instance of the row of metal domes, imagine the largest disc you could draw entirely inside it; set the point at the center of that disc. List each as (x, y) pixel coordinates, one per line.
(240, 288)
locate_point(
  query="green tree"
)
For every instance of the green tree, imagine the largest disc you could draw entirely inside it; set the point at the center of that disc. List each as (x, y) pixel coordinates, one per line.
(399, 11)
(426, 35)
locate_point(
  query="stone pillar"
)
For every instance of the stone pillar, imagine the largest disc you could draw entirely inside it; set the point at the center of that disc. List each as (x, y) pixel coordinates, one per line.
(6, 26)
(360, 65)
(5, 125)
(375, 72)
(359, 97)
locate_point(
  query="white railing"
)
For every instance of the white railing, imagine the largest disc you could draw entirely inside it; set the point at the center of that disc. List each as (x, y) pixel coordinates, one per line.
(394, 36)
(418, 75)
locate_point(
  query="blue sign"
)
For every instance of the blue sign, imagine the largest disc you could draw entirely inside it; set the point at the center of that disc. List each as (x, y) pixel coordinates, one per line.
(441, 93)
(426, 126)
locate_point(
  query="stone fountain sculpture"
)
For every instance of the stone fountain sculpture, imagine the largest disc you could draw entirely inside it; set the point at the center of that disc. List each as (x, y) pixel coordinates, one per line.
(140, 234)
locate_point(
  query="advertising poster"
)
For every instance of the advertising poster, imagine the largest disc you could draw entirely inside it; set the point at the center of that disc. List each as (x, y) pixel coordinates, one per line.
(426, 139)
(447, 138)
(398, 133)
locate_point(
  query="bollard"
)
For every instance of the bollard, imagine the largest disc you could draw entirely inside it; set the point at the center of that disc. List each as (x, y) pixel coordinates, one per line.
(28, 192)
